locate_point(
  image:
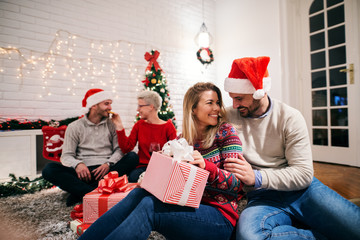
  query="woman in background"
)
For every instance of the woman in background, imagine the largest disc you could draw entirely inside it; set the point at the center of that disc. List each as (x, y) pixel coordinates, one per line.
(150, 132)
(214, 140)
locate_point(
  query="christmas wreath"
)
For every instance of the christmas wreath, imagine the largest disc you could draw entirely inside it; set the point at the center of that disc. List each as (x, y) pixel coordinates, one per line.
(205, 55)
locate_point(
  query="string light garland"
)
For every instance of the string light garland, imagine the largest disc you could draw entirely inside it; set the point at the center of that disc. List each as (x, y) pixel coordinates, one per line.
(76, 61)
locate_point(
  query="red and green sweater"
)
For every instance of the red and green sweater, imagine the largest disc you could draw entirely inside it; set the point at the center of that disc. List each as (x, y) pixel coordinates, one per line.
(146, 133)
(223, 190)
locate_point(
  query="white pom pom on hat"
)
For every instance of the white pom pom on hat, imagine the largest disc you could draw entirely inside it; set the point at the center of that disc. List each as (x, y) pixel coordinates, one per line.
(92, 97)
(249, 76)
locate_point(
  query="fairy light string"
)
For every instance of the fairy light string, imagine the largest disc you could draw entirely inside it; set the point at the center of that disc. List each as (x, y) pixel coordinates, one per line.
(75, 62)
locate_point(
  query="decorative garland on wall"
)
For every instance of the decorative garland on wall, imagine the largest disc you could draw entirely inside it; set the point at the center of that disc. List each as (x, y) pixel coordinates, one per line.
(14, 124)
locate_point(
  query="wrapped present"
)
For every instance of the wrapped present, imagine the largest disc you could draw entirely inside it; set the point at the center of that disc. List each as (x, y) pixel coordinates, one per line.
(78, 226)
(111, 190)
(77, 212)
(172, 179)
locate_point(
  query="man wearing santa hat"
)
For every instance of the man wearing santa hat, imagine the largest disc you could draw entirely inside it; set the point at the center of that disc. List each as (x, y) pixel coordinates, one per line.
(90, 150)
(285, 201)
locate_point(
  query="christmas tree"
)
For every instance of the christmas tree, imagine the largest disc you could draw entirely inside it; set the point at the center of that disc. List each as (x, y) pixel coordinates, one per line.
(156, 81)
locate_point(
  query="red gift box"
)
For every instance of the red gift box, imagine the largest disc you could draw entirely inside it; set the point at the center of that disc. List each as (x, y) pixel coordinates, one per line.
(77, 212)
(112, 189)
(174, 182)
(78, 226)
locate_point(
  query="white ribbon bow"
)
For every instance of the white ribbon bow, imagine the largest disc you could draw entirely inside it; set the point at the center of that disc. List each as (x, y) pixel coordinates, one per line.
(179, 149)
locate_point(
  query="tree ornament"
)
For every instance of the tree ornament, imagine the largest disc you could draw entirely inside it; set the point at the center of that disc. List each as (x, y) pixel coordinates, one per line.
(153, 81)
(205, 55)
(146, 81)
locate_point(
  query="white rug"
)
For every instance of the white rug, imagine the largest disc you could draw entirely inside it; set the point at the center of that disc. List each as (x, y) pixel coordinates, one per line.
(42, 215)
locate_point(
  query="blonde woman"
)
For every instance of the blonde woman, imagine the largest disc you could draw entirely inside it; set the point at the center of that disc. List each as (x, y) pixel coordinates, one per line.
(214, 140)
(150, 132)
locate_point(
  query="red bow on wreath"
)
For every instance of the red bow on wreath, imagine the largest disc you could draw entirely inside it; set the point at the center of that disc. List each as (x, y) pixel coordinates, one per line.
(152, 60)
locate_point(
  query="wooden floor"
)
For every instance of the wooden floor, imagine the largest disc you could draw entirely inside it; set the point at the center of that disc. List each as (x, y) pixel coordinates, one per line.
(345, 180)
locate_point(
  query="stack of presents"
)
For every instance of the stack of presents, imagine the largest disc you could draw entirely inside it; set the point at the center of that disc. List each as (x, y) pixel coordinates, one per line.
(168, 177)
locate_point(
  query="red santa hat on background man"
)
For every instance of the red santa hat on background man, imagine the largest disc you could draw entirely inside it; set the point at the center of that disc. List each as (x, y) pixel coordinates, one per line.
(92, 97)
(249, 76)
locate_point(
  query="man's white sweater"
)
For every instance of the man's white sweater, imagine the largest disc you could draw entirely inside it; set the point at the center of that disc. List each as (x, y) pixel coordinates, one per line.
(278, 145)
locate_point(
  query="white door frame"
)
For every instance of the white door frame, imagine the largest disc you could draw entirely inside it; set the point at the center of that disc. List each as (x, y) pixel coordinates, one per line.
(295, 57)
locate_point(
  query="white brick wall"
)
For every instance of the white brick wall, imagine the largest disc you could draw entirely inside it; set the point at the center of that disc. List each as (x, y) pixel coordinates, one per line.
(30, 25)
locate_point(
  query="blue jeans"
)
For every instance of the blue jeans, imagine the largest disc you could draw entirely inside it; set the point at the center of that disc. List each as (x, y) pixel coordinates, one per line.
(135, 174)
(140, 213)
(316, 212)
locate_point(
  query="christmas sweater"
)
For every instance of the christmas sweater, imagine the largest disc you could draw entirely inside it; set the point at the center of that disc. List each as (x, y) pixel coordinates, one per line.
(223, 189)
(145, 133)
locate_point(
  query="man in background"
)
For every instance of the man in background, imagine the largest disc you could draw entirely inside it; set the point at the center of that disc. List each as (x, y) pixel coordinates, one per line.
(90, 150)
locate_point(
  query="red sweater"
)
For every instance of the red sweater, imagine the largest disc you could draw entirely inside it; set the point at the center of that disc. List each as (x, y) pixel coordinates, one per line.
(146, 133)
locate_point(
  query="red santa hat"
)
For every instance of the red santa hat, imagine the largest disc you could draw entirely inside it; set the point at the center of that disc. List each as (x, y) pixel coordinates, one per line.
(94, 96)
(249, 76)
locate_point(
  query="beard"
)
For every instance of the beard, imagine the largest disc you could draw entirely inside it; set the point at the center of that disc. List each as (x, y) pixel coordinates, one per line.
(250, 110)
(103, 113)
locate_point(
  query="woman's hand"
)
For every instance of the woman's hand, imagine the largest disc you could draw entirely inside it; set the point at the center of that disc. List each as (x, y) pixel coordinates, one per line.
(117, 121)
(241, 169)
(198, 160)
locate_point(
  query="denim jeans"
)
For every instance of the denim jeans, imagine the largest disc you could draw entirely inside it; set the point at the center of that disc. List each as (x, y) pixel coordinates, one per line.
(135, 174)
(139, 213)
(316, 212)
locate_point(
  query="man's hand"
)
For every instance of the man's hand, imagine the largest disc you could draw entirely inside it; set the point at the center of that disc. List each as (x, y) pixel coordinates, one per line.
(83, 172)
(101, 171)
(241, 169)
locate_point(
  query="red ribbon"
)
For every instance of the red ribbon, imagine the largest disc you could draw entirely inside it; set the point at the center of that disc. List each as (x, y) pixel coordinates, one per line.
(113, 183)
(77, 212)
(152, 60)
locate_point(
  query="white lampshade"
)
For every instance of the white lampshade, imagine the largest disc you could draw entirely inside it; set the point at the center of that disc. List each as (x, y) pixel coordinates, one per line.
(203, 38)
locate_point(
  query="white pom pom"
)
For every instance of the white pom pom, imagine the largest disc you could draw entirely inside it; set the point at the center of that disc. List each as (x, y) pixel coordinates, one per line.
(258, 94)
(84, 110)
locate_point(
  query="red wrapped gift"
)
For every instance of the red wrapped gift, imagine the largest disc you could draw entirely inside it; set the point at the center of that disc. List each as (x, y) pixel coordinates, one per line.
(111, 190)
(77, 212)
(174, 181)
(78, 226)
